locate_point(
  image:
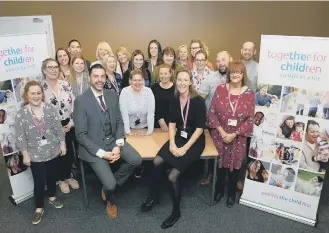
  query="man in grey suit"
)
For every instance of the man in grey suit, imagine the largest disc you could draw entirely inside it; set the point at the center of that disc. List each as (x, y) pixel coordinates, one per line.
(100, 132)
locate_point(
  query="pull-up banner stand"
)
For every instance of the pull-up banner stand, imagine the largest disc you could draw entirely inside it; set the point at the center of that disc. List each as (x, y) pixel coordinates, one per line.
(21, 54)
(289, 149)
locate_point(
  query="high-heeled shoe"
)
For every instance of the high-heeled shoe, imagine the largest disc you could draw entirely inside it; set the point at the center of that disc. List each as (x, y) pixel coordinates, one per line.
(148, 204)
(171, 220)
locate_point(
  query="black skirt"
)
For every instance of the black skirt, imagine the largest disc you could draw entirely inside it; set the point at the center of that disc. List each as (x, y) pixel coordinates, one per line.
(183, 162)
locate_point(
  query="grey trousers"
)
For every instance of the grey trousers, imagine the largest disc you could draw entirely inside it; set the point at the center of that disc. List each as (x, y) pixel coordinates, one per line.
(131, 160)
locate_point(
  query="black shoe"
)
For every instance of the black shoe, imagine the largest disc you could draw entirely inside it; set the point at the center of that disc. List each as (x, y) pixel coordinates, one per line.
(218, 197)
(148, 204)
(171, 220)
(139, 171)
(230, 202)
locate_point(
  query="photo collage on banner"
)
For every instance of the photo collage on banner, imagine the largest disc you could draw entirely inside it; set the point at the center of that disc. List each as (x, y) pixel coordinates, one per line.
(20, 62)
(290, 144)
(289, 150)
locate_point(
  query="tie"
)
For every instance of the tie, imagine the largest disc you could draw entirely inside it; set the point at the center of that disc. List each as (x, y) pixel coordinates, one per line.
(102, 102)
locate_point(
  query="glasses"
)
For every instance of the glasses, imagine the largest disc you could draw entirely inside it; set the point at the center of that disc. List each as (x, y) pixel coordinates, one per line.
(200, 60)
(236, 72)
(194, 48)
(52, 67)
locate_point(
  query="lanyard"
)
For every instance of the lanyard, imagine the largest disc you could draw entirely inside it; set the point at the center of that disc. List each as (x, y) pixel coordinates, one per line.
(229, 99)
(186, 113)
(40, 127)
(115, 85)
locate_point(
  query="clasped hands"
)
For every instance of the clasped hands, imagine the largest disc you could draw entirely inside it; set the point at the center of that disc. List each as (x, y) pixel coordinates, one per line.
(228, 137)
(112, 156)
(177, 152)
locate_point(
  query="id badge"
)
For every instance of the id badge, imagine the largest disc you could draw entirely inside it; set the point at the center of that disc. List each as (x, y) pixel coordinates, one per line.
(43, 142)
(232, 122)
(183, 134)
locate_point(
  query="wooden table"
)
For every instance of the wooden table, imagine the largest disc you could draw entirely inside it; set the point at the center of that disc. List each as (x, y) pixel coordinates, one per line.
(148, 147)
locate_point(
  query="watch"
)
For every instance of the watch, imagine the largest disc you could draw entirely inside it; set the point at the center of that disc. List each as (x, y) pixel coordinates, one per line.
(237, 133)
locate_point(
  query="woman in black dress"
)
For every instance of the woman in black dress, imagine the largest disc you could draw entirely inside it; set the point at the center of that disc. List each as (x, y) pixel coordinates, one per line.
(163, 93)
(187, 116)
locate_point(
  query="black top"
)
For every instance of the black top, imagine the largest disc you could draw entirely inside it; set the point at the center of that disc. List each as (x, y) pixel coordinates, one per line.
(196, 115)
(125, 78)
(163, 97)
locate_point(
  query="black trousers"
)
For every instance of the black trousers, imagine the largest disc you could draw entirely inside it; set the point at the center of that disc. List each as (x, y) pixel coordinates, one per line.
(232, 181)
(65, 162)
(44, 173)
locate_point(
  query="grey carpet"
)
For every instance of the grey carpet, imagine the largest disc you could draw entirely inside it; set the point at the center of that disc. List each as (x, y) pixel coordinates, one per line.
(197, 216)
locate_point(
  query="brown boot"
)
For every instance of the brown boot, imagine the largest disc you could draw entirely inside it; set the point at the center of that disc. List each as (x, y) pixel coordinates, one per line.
(112, 210)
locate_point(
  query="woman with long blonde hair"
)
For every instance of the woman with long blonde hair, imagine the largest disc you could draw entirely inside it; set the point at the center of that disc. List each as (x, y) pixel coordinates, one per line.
(104, 49)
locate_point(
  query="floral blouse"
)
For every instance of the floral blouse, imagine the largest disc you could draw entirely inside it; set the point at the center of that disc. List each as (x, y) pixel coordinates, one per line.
(114, 86)
(63, 102)
(196, 82)
(28, 136)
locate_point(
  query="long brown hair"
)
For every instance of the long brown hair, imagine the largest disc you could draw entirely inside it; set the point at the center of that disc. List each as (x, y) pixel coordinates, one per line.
(193, 93)
(26, 90)
(72, 78)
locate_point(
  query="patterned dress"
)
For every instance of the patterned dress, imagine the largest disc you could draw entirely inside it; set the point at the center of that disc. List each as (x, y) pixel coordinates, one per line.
(220, 111)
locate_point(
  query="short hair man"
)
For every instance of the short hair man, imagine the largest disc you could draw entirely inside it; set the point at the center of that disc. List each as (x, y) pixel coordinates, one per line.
(210, 84)
(207, 90)
(75, 48)
(248, 52)
(100, 132)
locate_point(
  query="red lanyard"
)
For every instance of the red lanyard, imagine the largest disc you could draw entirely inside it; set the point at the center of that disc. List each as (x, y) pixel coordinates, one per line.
(40, 127)
(186, 113)
(229, 99)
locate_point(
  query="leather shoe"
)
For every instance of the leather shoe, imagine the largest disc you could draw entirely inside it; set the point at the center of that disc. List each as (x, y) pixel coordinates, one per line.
(230, 202)
(171, 220)
(148, 204)
(218, 197)
(206, 180)
(112, 210)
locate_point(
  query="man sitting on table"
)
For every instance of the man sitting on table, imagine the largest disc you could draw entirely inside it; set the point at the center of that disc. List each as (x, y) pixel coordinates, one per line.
(100, 132)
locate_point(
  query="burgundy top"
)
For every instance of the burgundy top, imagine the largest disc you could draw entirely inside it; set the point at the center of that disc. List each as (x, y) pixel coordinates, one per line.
(220, 111)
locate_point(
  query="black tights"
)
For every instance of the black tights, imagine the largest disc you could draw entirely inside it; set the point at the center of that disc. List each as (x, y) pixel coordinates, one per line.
(159, 167)
(232, 181)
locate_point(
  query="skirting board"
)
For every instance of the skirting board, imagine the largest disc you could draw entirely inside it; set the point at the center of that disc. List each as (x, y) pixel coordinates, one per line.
(278, 212)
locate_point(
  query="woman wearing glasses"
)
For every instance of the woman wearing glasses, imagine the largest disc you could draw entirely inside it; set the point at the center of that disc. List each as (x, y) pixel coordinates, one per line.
(195, 46)
(200, 71)
(59, 94)
(231, 117)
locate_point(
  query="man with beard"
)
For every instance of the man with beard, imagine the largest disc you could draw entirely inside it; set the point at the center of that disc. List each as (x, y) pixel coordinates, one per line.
(248, 52)
(207, 90)
(209, 85)
(100, 133)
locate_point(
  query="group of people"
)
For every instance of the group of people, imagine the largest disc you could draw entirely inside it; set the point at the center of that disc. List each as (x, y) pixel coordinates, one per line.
(93, 106)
